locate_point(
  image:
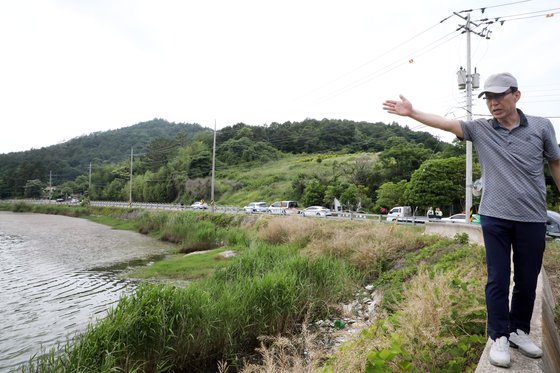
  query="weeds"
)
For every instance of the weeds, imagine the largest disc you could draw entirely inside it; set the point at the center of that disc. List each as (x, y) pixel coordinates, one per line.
(300, 353)
(435, 320)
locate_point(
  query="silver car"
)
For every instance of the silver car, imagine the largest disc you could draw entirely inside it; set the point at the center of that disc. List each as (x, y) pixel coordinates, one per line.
(316, 211)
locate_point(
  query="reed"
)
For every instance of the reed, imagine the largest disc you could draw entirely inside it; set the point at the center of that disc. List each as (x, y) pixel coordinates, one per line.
(266, 291)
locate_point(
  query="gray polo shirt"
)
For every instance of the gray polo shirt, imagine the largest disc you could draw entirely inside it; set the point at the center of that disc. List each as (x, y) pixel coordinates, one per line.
(512, 163)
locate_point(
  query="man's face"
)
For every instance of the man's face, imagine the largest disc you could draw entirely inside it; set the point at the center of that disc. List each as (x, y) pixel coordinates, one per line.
(501, 105)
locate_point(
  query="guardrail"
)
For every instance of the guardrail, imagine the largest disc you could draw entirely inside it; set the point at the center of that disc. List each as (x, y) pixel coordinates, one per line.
(342, 215)
(346, 215)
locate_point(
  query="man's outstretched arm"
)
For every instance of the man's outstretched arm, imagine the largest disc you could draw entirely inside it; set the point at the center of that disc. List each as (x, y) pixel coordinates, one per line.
(404, 108)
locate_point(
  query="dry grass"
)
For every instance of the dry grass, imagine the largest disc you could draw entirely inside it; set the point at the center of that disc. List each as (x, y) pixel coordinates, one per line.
(279, 354)
(366, 244)
(290, 229)
(362, 243)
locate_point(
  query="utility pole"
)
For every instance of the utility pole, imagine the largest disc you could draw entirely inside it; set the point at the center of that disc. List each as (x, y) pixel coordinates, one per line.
(89, 182)
(50, 185)
(468, 81)
(130, 189)
(212, 203)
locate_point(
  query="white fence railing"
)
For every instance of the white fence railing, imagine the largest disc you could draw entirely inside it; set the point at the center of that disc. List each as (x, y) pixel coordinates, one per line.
(346, 215)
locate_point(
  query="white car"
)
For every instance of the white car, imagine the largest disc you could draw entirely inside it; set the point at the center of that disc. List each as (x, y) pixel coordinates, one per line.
(457, 218)
(316, 211)
(256, 207)
(284, 207)
(198, 205)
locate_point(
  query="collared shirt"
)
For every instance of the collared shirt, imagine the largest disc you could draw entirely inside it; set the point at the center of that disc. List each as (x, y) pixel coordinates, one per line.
(512, 164)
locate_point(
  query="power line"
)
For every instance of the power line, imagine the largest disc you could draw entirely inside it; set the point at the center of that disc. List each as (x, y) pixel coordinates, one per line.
(378, 57)
(386, 69)
(482, 10)
(390, 67)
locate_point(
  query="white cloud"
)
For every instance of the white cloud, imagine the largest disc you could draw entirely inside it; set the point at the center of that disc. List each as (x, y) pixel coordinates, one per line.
(71, 68)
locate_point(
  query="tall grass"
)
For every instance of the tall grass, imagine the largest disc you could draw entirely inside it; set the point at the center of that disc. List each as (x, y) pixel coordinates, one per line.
(267, 291)
(369, 246)
(74, 211)
(194, 231)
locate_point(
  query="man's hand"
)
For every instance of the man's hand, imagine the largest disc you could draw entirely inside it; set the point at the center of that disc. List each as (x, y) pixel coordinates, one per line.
(402, 107)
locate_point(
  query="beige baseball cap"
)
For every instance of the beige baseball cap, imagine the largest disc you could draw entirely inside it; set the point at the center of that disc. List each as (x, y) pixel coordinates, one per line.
(499, 83)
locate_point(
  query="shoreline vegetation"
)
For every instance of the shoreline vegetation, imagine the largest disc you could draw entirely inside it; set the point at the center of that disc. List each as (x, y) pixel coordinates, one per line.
(252, 312)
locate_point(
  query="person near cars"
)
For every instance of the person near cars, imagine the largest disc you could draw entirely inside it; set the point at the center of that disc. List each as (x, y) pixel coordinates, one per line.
(430, 213)
(439, 213)
(512, 148)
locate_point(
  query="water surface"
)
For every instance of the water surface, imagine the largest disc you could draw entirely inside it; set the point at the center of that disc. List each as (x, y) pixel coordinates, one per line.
(51, 286)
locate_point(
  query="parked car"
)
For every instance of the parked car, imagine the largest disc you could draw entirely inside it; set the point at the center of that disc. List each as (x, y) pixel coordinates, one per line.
(199, 205)
(399, 212)
(256, 207)
(460, 218)
(284, 207)
(553, 224)
(316, 211)
(457, 218)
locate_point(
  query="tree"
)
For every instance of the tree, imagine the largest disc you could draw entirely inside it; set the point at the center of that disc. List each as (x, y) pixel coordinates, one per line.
(298, 185)
(158, 153)
(115, 191)
(236, 151)
(34, 188)
(361, 172)
(355, 197)
(400, 158)
(392, 194)
(314, 193)
(82, 184)
(440, 182)
(334, 190)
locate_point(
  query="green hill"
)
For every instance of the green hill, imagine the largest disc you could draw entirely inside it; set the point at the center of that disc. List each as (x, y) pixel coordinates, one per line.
(66, 161)
(275, 180)
(311, 161)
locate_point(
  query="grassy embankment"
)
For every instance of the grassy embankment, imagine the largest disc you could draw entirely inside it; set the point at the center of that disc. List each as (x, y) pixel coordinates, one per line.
(289, 270)
(239, 185)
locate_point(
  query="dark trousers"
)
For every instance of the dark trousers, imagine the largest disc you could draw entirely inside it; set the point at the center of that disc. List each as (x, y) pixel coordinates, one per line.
(527, 242)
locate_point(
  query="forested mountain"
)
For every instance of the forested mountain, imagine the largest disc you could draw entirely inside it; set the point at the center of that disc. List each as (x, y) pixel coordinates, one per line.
(319, 136)
(70, 159)
(173, 161)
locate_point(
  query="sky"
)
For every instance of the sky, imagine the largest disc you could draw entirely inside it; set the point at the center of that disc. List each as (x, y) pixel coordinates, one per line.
(69, 68)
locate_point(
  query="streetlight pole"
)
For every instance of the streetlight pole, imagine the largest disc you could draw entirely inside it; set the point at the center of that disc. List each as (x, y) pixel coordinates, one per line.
(130, 186)
(212, 202)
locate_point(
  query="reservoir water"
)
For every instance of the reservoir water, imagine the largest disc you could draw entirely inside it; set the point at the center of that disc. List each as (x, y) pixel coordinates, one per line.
(56, 278)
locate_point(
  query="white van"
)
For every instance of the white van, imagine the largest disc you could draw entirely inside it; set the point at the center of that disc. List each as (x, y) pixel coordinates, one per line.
(256, 207)
(399, 212)
(283, 207)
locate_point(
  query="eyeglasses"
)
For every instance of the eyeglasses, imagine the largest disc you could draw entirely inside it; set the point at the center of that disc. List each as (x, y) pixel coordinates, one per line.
(497, 96)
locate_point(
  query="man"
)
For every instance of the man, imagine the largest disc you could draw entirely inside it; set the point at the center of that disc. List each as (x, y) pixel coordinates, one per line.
(512, 148)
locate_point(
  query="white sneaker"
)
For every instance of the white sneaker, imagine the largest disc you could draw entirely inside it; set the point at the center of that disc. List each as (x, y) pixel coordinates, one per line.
(526, 346)
(499, 353)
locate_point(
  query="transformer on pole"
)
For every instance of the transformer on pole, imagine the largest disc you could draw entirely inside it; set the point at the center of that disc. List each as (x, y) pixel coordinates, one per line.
(468, 81)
